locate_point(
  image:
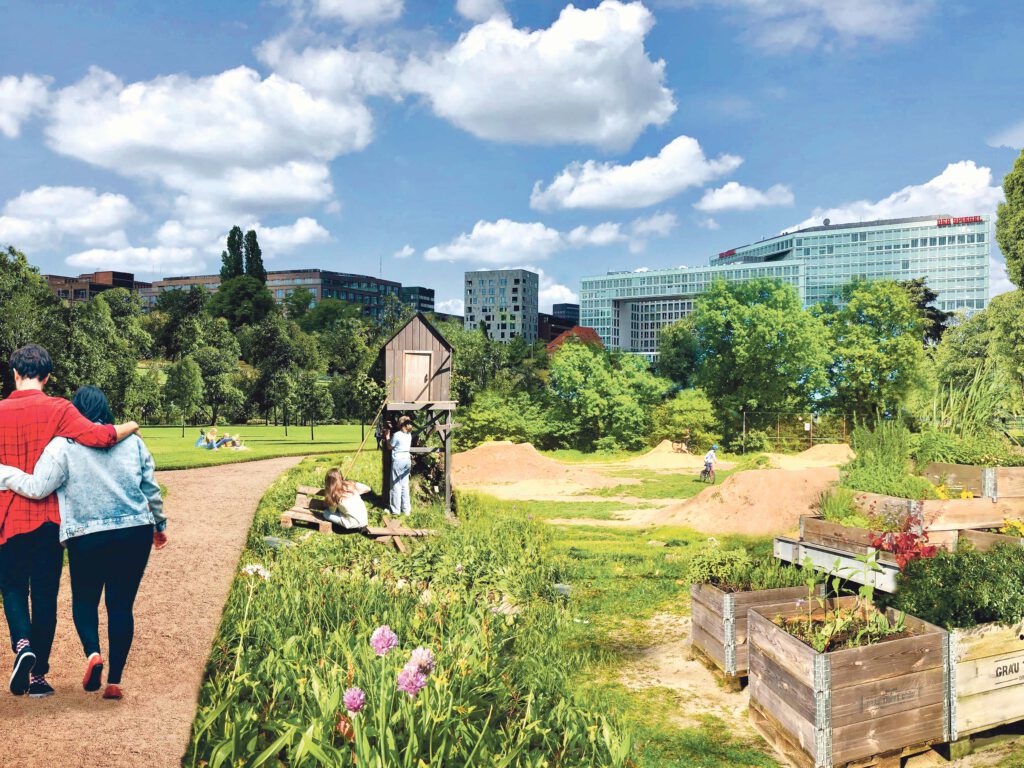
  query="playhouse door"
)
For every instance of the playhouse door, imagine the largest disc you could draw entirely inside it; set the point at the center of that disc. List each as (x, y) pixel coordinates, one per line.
(416, 385)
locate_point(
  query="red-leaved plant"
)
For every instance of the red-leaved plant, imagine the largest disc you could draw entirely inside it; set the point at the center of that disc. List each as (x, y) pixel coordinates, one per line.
(908, 540)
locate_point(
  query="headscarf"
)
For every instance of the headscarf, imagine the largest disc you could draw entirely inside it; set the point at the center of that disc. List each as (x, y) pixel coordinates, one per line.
(92, 403)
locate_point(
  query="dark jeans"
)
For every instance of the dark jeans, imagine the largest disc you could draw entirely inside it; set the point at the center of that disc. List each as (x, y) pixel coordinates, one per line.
(110, 561)
(30, 563)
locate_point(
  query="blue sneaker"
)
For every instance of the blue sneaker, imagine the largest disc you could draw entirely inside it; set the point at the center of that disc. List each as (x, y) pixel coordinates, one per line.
(23, 664)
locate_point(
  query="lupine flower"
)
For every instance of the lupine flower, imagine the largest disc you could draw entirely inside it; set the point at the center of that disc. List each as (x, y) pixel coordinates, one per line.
(354, 700)
(256, 570)
(383, 640)
(411, 680)
(422, 660)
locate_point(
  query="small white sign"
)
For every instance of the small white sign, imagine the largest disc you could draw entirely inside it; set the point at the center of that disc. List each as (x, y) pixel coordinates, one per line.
(807, 426)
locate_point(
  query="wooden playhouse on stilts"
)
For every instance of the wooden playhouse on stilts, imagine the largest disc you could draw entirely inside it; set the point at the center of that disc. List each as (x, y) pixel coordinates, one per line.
(417, 364)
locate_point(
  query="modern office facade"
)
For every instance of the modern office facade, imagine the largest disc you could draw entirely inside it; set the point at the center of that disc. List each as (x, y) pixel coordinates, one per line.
(369, 292)
(419, 298)
(505, 300)
(950, 253)
(84, 287)
(570, 313)
(550, 326)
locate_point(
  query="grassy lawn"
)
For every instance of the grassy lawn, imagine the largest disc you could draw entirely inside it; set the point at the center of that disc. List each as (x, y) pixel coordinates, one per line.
(172, 451)
(527, 685)
(660, 485)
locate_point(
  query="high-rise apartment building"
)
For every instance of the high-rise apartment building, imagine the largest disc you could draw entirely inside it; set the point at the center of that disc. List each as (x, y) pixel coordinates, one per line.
(951, 253)
(505, 300)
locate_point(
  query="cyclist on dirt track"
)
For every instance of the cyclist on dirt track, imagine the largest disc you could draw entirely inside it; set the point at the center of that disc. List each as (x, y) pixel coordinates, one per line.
(710, 459)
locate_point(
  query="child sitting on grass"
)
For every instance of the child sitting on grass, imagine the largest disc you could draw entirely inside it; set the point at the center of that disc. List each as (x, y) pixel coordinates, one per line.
(345, 505)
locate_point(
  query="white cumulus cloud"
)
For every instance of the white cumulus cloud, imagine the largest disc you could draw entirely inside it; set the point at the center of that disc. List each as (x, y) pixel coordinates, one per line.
(156, 261)
(337, 72)
(20, 98)
(226, 143)
(781, 26)
(1012, 137)
(451, 306)
(288, 237)
(962, 188)
(733, 196)
(606, 233)
(499, 242)
(658, 224)
(358, 13)
(480, 10)
(404, 252)
(46, 216)
(585, 79)
(999, 281)
(651, 180)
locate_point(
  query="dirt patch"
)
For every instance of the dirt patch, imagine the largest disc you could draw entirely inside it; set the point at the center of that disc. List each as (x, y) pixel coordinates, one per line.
(176, 617)
(664, 457)
(667, 664)
(520, 471)
(759, 502)
(823, 455)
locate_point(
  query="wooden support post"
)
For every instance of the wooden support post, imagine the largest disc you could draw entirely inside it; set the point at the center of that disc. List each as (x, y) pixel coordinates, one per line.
(448, 464)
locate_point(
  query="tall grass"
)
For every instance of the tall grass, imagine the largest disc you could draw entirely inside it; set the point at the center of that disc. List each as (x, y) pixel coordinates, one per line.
(480, 596)
(882, 464)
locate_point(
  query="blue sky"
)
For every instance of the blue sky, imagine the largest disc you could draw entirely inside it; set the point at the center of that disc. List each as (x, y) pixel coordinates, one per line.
(425, 139)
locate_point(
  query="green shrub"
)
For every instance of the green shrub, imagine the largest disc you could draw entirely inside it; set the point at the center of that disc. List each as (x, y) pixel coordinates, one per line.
(882, 464)
(988, 450)
(959, 590)
(837, 505)
(734, 571)
(687, 417)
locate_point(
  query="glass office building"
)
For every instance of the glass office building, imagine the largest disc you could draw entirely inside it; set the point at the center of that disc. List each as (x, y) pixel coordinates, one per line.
(950, 253)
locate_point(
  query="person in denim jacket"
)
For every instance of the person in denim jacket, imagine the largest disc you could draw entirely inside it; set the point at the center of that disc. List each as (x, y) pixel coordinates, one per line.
(111, 516)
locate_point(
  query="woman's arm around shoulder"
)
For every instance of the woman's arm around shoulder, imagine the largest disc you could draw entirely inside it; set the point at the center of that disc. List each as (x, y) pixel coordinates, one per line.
(49, 474)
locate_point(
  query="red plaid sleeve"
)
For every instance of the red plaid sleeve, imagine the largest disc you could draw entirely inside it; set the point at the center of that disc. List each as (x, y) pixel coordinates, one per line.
(74, 425)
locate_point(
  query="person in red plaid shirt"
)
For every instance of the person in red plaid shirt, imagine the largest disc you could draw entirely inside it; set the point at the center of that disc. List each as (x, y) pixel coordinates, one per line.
(31, 557)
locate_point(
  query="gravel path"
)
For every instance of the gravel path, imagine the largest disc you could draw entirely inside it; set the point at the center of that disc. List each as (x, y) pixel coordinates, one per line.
(176, 617)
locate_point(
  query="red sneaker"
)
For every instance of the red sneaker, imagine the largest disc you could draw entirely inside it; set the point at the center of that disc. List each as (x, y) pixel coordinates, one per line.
(93, 673)
(112, 692)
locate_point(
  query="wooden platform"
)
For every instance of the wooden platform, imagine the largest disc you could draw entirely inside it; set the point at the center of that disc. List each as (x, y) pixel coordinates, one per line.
(308, 511)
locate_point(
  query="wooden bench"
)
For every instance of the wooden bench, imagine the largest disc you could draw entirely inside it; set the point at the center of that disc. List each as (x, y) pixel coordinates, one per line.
(309, 508)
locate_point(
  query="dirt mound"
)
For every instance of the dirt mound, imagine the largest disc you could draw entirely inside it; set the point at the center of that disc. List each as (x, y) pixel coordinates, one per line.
(664, 456)
(837, 453)
(520, 464)
(760, 502)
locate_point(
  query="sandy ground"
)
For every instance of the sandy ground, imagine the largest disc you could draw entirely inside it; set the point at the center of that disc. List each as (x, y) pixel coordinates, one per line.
(176, 617)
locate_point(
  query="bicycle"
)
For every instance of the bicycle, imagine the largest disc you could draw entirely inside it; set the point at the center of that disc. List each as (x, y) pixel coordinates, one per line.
(707, 475)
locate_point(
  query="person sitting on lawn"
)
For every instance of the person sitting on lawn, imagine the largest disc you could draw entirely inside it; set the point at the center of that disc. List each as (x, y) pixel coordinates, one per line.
(345, 505)
(201, 442)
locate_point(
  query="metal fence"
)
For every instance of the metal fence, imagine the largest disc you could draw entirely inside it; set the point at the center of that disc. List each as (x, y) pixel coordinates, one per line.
(787, 430)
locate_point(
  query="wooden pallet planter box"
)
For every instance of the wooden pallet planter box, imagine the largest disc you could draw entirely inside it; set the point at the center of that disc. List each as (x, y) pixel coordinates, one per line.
(986, 678)
(984, 541)
(863, 706)
(815, 530)
(719, 624)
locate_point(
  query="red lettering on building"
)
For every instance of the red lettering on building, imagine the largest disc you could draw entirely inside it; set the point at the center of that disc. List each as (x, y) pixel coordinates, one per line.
(726, 254)
(949, 222)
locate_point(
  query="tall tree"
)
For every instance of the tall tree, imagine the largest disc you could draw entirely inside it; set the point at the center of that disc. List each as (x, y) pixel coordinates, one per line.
(231, 259)
(298, 303)
(313, 401)
(254, 257)
(27, 309)
(184, 388)
(759, 349)
(242, 301)
(677, 352)
(924, 298)
(877, 354)
(281, 393)
(1010, 222)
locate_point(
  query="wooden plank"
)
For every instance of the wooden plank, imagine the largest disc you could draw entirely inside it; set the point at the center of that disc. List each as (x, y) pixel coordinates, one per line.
(785, 650)
(984, 541)
(440, 405)
(710, 645)
(988, 640)
(781, 726)
(963, 475)
(1010, 482)
(889, 738)
(983, 711)
(744, 601)
(710, 622)
(797, 693)
(886, 698)
(840, 537)
(888, 659)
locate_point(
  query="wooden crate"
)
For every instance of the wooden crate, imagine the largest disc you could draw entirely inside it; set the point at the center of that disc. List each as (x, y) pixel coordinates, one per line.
(863, 706)
(815, 530)
(984, 541)
(986, 678)
(719, 623)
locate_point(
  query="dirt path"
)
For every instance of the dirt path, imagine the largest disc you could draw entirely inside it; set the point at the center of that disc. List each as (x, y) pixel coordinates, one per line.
(176, 616)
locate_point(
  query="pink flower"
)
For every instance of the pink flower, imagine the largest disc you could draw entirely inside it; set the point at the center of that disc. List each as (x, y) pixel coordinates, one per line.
(354, 700)
(383, 640)
(422, 660)
(411, 680)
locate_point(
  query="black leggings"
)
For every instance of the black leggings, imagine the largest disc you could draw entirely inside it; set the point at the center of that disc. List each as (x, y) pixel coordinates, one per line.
(113, 561)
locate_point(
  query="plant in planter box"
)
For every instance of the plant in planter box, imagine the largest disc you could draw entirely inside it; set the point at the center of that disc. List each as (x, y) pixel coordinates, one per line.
(904, 536)
(979, 597)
